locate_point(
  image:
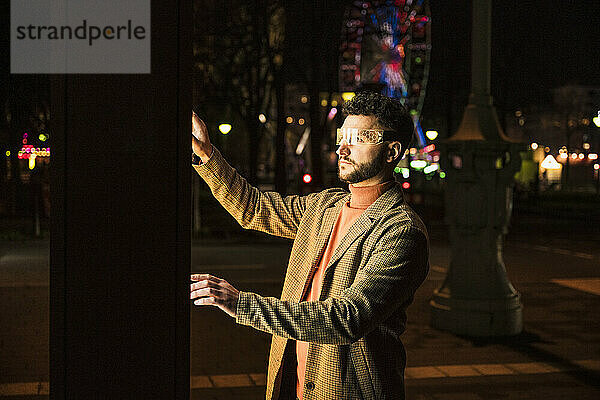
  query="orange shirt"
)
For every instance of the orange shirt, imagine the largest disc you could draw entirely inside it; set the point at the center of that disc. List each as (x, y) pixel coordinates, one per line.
(360, 199)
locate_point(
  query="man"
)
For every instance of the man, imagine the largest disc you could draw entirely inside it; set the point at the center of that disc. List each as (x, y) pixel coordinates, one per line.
(356, 262)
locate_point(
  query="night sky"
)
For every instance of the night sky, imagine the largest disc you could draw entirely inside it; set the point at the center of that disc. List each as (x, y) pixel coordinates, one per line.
(536, 46)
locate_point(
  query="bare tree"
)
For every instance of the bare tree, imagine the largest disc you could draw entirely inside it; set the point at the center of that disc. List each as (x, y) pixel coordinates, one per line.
(238, 52)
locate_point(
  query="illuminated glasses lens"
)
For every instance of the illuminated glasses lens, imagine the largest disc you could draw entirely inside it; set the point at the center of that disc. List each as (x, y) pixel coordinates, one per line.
(359, 136)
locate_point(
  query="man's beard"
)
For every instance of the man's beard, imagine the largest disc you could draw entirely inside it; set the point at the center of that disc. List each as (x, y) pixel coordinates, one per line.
(364, 171)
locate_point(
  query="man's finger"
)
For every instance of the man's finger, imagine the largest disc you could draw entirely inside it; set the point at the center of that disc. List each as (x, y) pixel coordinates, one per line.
(200, 277)
(211, 292)
(205, 301)
(197, 123)
(203, 284)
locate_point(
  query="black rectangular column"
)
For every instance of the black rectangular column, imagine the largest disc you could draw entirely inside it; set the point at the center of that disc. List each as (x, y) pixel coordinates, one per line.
(120, 235)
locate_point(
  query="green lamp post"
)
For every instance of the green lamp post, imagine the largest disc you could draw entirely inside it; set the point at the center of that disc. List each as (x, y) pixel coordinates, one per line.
(476, 297)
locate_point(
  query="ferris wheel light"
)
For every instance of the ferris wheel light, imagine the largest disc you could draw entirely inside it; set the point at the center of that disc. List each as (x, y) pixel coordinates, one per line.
(400, 62)
(593, 156)
(262, 118)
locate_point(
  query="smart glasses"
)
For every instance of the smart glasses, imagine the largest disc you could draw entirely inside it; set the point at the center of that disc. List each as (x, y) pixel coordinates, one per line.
(363, 136)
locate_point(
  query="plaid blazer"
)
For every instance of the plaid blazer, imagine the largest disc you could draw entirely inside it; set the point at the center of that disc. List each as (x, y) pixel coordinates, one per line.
(355, 351)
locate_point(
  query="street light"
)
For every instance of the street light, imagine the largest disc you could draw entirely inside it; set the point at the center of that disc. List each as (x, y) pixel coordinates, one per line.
(431, 135)
(476, 297)
(347, 96)
(596, 120)
(418, 164)
(430, 168)
(225, 128)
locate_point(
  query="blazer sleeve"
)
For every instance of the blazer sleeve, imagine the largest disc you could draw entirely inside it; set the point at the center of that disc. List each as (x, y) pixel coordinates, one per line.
(390, 278)
(268, 212)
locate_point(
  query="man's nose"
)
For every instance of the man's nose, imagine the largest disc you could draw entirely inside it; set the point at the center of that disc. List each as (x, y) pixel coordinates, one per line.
(344, 148)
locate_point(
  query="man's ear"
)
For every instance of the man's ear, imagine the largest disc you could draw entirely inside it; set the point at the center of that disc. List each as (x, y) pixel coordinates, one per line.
(394, 152)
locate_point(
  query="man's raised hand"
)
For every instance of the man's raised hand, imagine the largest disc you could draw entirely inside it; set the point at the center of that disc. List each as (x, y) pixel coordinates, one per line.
(200, 141)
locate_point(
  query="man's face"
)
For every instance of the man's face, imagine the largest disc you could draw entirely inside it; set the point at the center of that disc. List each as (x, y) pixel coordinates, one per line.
(359, 162)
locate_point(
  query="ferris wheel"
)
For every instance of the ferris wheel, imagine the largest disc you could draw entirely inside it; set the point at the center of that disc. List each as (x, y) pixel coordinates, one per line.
(386, 47)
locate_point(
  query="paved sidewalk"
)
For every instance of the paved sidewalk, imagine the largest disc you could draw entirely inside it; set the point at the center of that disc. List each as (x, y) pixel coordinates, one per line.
(556, 357)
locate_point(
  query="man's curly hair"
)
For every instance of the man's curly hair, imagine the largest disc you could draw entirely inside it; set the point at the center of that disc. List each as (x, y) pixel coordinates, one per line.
(390, 113)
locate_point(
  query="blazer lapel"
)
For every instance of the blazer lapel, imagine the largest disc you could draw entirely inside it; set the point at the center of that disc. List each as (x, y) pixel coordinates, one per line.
(329, 217)
(363, 224)
(358, 228)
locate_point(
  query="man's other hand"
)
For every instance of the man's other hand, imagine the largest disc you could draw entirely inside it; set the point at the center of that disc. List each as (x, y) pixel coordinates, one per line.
(212, 291)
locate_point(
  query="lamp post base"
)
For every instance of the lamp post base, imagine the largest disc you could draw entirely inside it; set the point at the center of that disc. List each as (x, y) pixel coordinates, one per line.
(477, 317)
